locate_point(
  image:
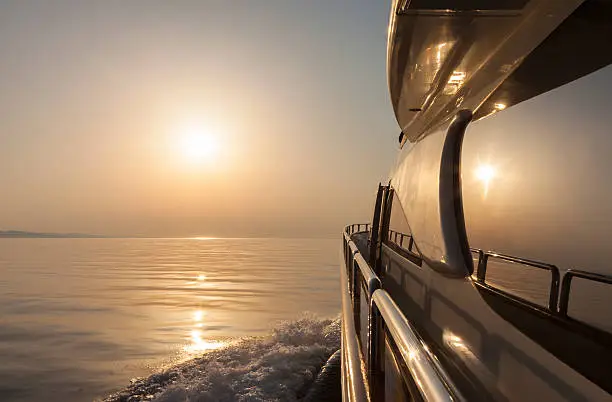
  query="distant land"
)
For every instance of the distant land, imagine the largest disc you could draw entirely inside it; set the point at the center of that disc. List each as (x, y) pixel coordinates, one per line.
(22, 234)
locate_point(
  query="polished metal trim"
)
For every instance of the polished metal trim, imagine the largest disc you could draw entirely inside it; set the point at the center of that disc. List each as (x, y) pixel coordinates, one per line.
(368, 276)
(353, 248)
(452, 221)
(353, 378)
(481, 273)
(433, 382)
(567, 284)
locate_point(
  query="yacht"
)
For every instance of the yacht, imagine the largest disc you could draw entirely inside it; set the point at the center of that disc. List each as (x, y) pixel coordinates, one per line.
(482, 274)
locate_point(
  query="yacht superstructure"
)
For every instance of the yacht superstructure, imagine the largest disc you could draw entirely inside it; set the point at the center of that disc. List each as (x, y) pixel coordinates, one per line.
(464, 286)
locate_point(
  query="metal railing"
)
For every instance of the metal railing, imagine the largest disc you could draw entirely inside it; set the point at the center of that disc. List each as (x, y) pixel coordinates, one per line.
(430, 379)
(567, 284)
(481, 272)
(560, 291)
(353, 380)
(356, 228)
(398, 238)
(360, 277)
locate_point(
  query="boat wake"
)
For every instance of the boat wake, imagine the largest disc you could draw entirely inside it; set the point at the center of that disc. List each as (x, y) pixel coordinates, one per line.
(278, 367)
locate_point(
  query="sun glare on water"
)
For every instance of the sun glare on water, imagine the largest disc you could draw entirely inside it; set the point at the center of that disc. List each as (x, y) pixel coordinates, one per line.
(197, 341)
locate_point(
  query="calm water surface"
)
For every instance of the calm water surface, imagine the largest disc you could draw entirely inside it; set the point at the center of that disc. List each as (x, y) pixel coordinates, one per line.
(80, 317)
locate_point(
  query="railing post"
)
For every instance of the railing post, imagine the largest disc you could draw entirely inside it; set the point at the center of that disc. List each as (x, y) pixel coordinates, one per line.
(482, 266)
(410, 243)
(345, 254)
(349, 273)
(431, 381)
(565, 291)
(344, 248)
(356, 297)
(374, 351)
(554, 290)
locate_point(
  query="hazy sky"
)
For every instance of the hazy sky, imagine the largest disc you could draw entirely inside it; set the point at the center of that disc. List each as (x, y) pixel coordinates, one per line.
(96, 99)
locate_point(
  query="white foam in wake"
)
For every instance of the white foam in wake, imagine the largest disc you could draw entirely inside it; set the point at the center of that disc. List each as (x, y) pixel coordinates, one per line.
(278, 367)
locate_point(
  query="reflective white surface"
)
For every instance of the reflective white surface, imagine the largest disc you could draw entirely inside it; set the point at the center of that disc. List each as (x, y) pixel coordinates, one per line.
(416, 183)
(536, 177)
(441, 62)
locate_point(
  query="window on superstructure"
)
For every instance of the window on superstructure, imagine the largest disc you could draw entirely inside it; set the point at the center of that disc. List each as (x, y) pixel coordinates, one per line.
(400, 236)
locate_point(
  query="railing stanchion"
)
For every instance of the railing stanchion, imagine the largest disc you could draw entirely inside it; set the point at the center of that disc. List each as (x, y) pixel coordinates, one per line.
(483, 258)
(554, 291)
(565, 290)
(567, 284)
(431, 380)
(356, 298)
(374, 351)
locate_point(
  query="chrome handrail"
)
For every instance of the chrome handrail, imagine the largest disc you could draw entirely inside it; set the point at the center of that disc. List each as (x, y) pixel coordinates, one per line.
(369, 277)
(481, 272)
(567, 284)
(353, 248)
(359, 271)
(356, 390)
(431, 380)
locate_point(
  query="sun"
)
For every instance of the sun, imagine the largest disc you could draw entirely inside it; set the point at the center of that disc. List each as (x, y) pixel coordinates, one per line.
(198, 145)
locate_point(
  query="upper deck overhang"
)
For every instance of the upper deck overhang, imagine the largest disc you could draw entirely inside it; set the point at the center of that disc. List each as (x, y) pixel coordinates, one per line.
(447, 55)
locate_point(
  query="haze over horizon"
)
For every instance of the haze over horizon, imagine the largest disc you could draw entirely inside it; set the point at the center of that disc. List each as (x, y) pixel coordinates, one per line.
(193, 118)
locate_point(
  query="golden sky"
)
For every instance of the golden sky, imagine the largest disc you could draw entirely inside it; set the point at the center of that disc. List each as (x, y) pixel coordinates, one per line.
(284, 108)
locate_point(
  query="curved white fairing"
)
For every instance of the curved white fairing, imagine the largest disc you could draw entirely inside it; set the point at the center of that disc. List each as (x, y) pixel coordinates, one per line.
(535, 179)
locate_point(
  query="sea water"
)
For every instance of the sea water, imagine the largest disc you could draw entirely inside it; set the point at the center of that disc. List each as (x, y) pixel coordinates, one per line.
(81, 318)
(188, 319)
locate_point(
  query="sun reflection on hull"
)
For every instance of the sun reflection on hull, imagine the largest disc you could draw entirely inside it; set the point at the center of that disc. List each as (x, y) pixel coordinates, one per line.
(485, 173)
